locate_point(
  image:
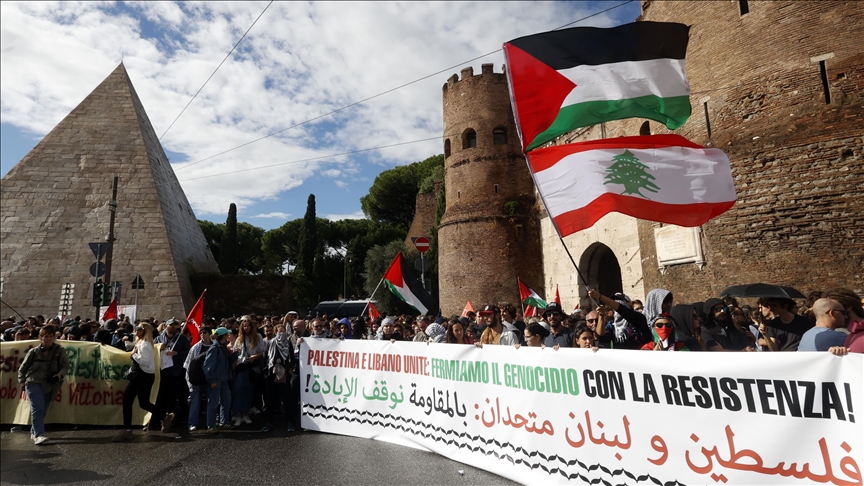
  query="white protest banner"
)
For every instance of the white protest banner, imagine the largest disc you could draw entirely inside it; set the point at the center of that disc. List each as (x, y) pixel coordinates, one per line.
(542, 416)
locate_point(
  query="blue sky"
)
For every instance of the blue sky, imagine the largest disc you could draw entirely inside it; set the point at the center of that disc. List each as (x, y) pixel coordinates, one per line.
(300, 61)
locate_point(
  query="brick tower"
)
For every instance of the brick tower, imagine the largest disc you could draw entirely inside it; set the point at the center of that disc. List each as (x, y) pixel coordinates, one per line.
(490, 233)
(55, 201)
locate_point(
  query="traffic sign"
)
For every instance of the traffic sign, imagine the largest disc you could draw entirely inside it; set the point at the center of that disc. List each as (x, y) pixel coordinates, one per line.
(421, 264)
(99, 250)
(138, 283)
(97, 269)
(422, 244)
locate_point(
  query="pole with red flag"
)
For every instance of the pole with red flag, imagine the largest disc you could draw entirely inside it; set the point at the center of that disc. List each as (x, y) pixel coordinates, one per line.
(111, 311)
(194, 319)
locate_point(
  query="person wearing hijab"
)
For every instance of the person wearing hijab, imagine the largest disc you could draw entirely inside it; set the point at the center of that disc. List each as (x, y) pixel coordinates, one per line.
(689, 326)
(665, 337)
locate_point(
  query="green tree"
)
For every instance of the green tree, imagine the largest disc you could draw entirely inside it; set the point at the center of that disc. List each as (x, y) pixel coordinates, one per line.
(228, 248)
(213, 233)
(250, 255)
(393, 195)
(630, 172)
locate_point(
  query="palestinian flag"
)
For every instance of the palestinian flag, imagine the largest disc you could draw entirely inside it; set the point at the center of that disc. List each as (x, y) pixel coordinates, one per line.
(530, 298)
(401, 282)
(571, 78)
(663, 178)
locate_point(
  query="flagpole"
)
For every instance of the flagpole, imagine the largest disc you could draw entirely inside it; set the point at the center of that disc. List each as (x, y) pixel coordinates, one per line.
(185, 320)
(519, 289)
(370, 297)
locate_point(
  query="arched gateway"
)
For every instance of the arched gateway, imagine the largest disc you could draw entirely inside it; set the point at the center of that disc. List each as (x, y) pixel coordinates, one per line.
(600, 267)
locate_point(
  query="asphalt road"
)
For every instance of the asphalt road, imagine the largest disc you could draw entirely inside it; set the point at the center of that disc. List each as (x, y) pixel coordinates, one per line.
(235, 457)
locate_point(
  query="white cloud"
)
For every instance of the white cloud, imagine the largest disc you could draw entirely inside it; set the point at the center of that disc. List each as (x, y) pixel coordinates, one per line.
(301, 60)
(337, 217)
(275, 214)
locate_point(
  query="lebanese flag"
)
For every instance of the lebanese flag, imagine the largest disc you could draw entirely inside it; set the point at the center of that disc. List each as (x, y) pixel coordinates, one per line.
(557, 295)
(373, 311)
(571, 78)
(468, 308)
(529, 298)
(194, 319)
(111, 311)
(408, 289)
(664, 178)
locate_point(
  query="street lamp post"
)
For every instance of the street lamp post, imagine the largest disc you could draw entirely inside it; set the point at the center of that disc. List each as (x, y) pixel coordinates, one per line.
(345, 275)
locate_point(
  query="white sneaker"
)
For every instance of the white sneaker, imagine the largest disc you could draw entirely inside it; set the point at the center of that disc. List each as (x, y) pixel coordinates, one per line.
(254, 411)
(246, 419)
(238, 421)
(192, 428)
(40, 440)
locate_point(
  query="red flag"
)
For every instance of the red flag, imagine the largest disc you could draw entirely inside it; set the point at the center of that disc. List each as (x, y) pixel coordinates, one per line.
(557, 295)
(531, 311)
(193, 320)
(468, 308)
(111, 311)
(373, 311)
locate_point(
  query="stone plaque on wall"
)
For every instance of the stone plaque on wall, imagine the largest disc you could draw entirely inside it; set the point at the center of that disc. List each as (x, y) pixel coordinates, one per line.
(677, 245)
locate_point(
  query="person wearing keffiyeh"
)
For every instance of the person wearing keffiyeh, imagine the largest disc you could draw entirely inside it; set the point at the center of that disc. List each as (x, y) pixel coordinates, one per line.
(279, 360)
(629, 330)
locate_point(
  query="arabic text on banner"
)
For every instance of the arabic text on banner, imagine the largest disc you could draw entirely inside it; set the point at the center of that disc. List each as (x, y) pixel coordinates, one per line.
(542, 416)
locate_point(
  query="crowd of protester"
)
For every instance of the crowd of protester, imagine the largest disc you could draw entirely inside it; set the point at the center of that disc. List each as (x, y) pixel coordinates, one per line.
(246, 369)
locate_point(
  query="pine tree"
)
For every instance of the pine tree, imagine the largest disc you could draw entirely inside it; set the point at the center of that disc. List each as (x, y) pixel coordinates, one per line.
(229, 248)
(632, 174)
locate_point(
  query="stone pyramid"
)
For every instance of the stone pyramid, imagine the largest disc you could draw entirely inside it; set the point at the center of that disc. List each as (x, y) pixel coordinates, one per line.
(56, 200)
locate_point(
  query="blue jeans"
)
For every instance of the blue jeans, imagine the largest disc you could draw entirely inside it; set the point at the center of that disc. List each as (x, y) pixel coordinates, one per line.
(196, 394)
(39, 403)
(222, 393)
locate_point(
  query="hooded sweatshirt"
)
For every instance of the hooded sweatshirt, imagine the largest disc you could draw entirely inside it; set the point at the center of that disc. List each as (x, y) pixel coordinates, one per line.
(855, 339)
(723, 333)
(684, 329)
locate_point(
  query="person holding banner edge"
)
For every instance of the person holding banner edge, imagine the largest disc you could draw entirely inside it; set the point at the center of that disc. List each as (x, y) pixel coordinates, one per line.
(41, 373)
(141, 376)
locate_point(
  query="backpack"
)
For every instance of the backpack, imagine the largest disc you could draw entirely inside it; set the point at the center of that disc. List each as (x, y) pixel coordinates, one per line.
(196, 370)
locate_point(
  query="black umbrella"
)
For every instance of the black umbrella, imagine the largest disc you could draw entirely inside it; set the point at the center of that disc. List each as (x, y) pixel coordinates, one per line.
(762, 290)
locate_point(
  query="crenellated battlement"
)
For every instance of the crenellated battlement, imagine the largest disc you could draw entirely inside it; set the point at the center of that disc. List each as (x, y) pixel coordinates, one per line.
(487, 71)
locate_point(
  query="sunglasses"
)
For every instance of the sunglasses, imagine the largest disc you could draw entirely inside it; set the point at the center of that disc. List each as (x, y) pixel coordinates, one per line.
(663, 324)
(591, 320)
(553, 313)
(839, 311)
